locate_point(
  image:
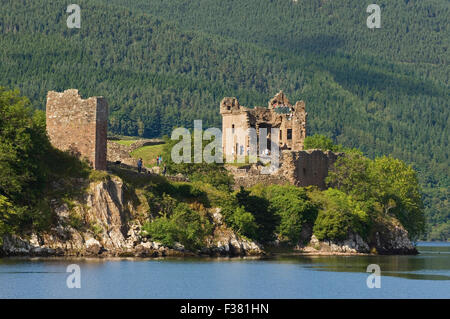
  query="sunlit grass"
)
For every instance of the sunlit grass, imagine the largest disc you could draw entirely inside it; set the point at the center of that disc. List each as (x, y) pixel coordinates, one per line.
(148, 154)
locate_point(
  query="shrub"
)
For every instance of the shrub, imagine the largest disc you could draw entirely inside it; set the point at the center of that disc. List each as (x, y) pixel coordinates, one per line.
(167, 205)
(161, 229)
(266, 211)
(240, 220)
(192, 227)
(76, 221)
(339, 215)
(332, 225)
(321, 142)
(215, 175)
(8, 216)
(293, 207)
(191, 191)
(96, 229)
(325, 143)
(186, 226)
(265, 219)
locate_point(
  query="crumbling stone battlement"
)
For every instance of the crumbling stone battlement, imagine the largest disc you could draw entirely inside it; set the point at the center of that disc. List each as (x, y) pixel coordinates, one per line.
(79, 126)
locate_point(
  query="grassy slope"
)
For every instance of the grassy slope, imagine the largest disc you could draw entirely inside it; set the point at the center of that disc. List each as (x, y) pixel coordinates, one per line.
(148, 154)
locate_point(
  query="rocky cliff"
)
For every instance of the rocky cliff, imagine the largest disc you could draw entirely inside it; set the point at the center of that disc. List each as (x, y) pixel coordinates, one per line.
(386, 239)
(106, 222)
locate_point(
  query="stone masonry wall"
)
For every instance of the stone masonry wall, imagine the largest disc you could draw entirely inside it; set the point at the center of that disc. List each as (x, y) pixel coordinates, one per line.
(300, 168)
(248, 177)
(304, 168)
(79, 126)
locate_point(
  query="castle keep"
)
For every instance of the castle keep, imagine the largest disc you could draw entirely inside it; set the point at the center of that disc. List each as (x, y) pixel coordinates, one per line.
(280, 113)
(297, 166)
(79, 126)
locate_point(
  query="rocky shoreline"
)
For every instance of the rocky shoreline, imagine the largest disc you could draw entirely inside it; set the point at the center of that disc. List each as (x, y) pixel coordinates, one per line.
(17, 247)
(116, 232)
(232, 247)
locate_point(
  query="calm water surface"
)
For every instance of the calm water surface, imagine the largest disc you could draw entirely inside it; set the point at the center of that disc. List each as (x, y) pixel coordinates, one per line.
(424, 276)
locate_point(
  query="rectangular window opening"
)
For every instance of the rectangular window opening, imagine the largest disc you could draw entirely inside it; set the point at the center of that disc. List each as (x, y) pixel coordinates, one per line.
(289, 134)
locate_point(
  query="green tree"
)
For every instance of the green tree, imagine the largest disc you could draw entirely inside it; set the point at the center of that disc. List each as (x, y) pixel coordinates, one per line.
(351, 175)
(22, 138)
(294, 209)
(339, 215)
(258, 206)
(386, 180)
(395, 186)
(23, 147)
(9, 217)
(28, 166)
(212, 173)
(243, 222)
(320, 142)
(185, 226)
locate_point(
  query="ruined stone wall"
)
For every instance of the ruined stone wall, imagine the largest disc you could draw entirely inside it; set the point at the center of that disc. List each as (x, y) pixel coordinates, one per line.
(79, 126)
(300, 168)
(250, 176)
(101, 130)
(304, 168)
(120, 153)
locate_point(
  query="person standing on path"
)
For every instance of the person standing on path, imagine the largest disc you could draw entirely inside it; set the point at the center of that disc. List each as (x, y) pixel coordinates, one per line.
(139, 165)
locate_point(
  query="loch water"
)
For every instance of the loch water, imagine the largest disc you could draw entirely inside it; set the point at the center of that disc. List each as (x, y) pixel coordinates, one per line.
(426, 275)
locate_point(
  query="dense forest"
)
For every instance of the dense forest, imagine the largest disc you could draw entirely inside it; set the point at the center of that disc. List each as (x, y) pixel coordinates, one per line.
(163, 64)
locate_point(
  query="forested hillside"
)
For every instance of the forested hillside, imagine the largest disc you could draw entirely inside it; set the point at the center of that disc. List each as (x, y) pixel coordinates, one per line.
(165, 63)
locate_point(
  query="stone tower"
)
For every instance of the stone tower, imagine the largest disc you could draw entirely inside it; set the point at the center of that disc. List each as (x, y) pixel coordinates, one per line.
(79, 126)
(280, 113)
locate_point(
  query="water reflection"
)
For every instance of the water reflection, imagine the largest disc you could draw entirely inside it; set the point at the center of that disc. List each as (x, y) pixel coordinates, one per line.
(423, 276)
(433, 263)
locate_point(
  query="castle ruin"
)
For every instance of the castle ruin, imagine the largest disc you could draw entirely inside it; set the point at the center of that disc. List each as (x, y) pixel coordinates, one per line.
(79, 126)
(280, 113)
(298, 166)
